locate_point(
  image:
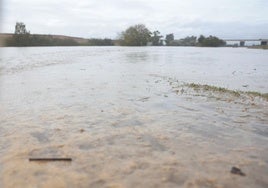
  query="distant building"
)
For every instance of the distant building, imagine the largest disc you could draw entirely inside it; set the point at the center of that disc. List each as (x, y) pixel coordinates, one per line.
(264, 42)
(242, 43)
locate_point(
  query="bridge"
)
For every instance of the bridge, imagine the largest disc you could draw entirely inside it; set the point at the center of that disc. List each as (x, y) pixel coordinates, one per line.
(242, 42)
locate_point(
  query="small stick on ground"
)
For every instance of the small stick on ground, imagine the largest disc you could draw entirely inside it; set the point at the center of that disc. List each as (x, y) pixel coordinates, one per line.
(50, 159)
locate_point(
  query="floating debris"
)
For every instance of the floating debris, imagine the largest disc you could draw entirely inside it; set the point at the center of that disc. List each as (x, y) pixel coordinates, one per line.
(237, 171)
(144, 99)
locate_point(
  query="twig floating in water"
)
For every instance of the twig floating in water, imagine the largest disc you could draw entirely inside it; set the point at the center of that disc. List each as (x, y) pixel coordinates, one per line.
(50, 159)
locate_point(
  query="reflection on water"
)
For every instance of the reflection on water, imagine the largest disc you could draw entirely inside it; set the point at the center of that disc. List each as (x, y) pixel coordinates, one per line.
(137, 57)
(115, 112)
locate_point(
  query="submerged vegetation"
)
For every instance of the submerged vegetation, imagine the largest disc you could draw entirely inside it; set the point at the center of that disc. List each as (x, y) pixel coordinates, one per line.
(205, 87)
(215, 91)
(257, 94)
(264, 47)
(200, 87)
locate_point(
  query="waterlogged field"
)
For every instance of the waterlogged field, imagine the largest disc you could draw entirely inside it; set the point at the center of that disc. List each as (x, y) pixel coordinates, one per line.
(133, 117)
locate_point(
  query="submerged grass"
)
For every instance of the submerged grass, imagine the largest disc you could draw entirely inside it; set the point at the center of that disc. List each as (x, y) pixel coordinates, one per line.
(257, 94)
(236, 93)
(265, 47)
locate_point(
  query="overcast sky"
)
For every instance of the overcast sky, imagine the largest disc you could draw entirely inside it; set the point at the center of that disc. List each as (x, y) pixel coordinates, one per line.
(106, 18)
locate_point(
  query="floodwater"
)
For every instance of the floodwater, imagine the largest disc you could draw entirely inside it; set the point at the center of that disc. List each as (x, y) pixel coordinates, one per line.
(126, 118)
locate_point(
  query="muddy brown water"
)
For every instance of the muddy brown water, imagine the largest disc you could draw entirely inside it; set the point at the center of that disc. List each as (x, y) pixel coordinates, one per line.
(118, 114)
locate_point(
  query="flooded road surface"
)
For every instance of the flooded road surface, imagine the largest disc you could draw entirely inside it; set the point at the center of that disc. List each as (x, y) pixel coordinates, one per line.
(127, 119)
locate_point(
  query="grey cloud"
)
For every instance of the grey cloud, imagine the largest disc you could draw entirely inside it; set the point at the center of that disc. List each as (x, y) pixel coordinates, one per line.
(105, 18)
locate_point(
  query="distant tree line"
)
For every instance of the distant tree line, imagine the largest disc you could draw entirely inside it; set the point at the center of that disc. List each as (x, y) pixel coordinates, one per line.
(139, 35)
(22, 37)
(210, 41)
(100, 42)
(136, 35)
(37, 40)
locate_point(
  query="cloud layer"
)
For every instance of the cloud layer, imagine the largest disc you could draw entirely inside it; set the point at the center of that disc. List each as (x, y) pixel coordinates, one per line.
(106, 18)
